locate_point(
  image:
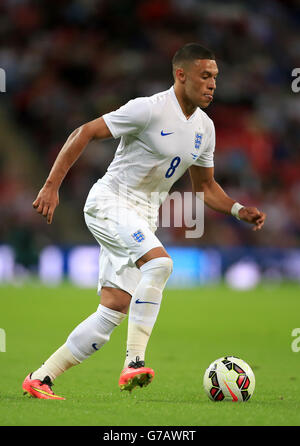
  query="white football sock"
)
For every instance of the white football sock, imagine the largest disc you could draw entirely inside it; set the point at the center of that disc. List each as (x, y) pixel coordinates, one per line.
(85, 339)
(93, 332)
(145, 305)
(59, 362)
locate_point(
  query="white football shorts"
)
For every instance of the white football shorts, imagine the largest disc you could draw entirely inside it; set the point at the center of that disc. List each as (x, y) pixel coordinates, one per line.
(123, 235)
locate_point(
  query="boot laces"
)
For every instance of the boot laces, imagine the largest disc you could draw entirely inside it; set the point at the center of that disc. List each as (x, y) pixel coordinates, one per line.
(136, 364)
(47, 381)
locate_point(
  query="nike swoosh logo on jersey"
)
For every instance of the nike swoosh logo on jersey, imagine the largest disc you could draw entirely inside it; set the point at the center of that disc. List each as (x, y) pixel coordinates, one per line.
(94, 346)
(138, 301)
(165, 134)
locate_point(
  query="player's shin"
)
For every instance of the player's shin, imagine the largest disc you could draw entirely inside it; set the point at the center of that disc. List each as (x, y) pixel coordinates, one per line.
(145, 305)
(61, 360)
(93, 332)
(85, 339)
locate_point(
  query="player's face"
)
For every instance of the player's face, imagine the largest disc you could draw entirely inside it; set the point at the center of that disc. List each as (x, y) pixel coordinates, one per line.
(200, 82)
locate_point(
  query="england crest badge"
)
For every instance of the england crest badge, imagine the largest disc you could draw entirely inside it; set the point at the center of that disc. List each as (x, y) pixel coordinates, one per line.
(198, 140)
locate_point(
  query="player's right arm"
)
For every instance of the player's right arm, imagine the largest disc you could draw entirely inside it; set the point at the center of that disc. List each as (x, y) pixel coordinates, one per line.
(48, 199)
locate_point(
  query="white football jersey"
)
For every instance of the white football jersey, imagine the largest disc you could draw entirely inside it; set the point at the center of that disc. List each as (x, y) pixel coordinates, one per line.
(158, 144)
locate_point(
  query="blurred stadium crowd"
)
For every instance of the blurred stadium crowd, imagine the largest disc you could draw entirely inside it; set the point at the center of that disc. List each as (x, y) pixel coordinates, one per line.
(71, 61)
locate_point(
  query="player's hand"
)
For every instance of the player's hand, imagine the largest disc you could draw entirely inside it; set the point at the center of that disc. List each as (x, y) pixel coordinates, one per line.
(46, 202)
(254, 216)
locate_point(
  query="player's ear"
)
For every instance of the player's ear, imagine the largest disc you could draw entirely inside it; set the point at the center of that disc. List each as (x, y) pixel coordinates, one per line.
(180, 75)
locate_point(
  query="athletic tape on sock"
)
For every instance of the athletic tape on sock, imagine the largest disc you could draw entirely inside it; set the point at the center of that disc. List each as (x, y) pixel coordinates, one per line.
(59, 362)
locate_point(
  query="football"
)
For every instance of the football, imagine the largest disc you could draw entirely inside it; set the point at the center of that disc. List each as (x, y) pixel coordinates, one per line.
(229, 379)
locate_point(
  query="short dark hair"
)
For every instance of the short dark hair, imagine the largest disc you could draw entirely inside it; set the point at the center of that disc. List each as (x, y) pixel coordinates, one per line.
(191, 52)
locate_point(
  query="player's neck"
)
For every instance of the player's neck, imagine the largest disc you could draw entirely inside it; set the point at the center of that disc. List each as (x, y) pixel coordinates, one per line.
(186, 106)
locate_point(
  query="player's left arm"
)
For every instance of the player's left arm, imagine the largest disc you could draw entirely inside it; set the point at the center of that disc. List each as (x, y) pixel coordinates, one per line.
(215, 197)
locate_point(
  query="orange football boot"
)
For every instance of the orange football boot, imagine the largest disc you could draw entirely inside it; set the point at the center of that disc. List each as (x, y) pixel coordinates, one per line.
(39, 389)
(136, 374)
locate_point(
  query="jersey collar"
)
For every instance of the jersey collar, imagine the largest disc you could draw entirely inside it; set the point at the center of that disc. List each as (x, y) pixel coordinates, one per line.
(179, 109)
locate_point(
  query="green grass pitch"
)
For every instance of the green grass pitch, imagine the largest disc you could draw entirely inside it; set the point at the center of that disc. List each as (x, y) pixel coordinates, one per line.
(194, 327)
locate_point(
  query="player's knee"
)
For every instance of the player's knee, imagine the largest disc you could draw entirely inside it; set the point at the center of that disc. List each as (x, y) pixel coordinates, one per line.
(159, 269)
(115, 299)
(166, 266)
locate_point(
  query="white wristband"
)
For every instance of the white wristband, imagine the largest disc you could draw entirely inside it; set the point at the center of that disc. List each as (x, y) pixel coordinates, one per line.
(235, 209)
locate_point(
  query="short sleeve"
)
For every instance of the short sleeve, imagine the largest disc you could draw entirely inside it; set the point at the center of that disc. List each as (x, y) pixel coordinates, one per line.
(206, 159)
(130, 119)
